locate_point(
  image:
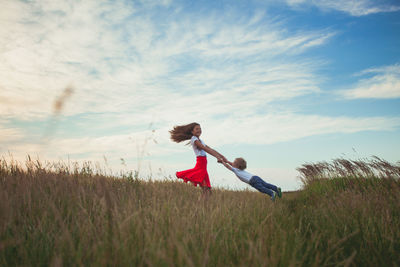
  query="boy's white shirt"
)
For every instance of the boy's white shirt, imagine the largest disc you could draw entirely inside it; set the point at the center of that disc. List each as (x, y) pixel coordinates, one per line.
(242, 175)
(197, 151)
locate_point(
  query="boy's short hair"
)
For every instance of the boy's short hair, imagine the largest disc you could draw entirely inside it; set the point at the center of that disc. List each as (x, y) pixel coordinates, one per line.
(241, 163)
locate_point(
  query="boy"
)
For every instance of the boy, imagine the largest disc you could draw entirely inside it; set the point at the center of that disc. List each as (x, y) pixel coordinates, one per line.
(238, 166)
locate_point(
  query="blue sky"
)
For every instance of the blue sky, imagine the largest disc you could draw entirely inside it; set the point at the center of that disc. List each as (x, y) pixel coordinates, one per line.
(280, 83)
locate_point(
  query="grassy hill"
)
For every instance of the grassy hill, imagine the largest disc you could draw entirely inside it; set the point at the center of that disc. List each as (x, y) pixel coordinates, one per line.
(61, 215)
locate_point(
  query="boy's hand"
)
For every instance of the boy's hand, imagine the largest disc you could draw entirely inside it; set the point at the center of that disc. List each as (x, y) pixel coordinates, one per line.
(220, 160)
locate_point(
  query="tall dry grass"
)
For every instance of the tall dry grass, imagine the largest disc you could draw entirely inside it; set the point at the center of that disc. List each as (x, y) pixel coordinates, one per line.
(344, 168)
(59, 214)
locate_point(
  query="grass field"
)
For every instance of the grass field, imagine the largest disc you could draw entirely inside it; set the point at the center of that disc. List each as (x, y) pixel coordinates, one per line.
(58, 215)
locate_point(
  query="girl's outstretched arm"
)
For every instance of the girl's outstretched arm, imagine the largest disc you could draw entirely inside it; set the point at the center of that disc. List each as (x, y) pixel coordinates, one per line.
(209, 150)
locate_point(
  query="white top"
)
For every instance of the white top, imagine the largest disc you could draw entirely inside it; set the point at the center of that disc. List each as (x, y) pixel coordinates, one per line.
(242, 175)
(197, 151)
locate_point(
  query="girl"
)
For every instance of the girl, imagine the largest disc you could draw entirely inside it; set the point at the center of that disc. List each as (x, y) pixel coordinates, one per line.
(198, 175)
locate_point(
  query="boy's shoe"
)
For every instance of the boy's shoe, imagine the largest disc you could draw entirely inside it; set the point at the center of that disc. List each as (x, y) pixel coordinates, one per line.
(273, 196)
(279, 192)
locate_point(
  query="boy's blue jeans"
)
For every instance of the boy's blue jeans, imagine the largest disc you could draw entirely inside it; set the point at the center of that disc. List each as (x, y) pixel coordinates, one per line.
(262, 186)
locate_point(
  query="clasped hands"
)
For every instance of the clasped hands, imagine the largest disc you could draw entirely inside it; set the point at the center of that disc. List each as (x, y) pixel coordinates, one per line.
(222, 160)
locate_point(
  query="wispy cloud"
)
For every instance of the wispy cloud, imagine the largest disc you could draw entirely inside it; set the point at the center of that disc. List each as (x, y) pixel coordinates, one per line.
(123, 57)
(383, 82)
(274, 128)
(261, 130)
(9, 135)
(352, 7)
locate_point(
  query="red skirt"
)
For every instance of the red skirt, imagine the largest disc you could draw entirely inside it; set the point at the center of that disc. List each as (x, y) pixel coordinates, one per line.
(198, 175)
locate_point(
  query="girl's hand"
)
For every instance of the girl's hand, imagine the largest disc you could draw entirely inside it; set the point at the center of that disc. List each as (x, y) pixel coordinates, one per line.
(220, 160)
(229, 162)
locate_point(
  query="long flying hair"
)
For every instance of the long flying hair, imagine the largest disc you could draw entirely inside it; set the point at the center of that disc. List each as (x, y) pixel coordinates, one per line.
(182, 132)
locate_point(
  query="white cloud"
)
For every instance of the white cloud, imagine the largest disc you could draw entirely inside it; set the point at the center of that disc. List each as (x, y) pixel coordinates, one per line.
(9, 135)
(274, 128)
(352, 7)
(383, 83)
(261, 129)
(121, 59)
